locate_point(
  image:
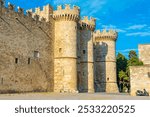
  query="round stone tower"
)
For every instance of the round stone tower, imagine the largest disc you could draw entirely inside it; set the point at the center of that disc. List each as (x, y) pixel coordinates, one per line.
(65, 49)
(105, 61)
(87, 27)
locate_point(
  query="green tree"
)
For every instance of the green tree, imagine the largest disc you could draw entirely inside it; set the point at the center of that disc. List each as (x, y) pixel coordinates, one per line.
(121, 70)
(124, 81)
(132, 54)
(133, 61)
(123, 64)
(123, 76)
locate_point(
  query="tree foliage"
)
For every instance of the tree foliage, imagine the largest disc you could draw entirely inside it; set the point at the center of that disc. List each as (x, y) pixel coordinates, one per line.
(123, 76)
(123, 65)
(121, 62)
(132, 54)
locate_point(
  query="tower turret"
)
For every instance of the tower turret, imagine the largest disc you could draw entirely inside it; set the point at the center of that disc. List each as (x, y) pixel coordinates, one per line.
(105, 61)
(87, 27)
(65, 48)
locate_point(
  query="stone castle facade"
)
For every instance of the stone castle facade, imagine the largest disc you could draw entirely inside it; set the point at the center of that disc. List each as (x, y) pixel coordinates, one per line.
(55, 51)
(141, 80)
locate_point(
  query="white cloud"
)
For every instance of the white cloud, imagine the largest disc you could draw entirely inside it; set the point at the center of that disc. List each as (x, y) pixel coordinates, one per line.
(47, 1)
(127, 50)
(120, 30)
(143, 34)
(108, 27)
(56, 2)
(91, 7)
(97, 18)
(133, 27)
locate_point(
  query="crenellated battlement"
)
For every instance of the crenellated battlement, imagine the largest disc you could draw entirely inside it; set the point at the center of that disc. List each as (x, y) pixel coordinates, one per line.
(44, 9)
(10, 12)
(87, 23)
(11, 8)
(58, 45)
(67, 13)
(44, 12)
(110, 34)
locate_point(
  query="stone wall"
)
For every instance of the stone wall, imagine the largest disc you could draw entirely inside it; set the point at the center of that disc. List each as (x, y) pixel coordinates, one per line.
(144, 53)
(105, 65)
(86, 74)
(139, 78)
(65, 63)
(86, 62)
(26, 59)
(46, 55)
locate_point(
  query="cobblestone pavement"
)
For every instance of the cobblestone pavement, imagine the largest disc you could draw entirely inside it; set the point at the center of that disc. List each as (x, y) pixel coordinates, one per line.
(78, 96)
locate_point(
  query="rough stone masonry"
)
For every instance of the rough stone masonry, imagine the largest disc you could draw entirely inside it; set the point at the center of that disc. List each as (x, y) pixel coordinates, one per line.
(55, 51)
(140, 75)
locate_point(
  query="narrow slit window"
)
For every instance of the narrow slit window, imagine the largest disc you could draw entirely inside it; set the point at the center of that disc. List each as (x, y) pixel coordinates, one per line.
(2, 80)
(16, 60)
(60, 49)
(36, 54)
(83, 51)
(75, 27)
(29, 60)
(149, 74)
(107, 79)
(83, 73)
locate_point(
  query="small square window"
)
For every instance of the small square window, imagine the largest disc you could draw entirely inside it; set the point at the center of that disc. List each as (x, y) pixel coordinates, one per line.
(36, 54)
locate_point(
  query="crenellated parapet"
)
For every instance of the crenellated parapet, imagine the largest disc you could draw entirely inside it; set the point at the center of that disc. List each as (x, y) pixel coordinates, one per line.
(105, 35)
(87, 23)
(67, 13)
(11, 10)
(44, 12)
(26, 20)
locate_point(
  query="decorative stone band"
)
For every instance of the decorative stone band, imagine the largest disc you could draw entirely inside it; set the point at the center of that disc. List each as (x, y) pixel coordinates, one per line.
(68, 13)
(87, 24)
(105, 35)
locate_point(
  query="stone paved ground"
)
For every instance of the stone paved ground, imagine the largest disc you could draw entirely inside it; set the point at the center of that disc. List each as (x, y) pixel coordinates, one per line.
(79, 96)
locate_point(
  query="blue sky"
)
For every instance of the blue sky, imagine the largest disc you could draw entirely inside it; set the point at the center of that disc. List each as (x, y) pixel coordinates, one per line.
(131, 18)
